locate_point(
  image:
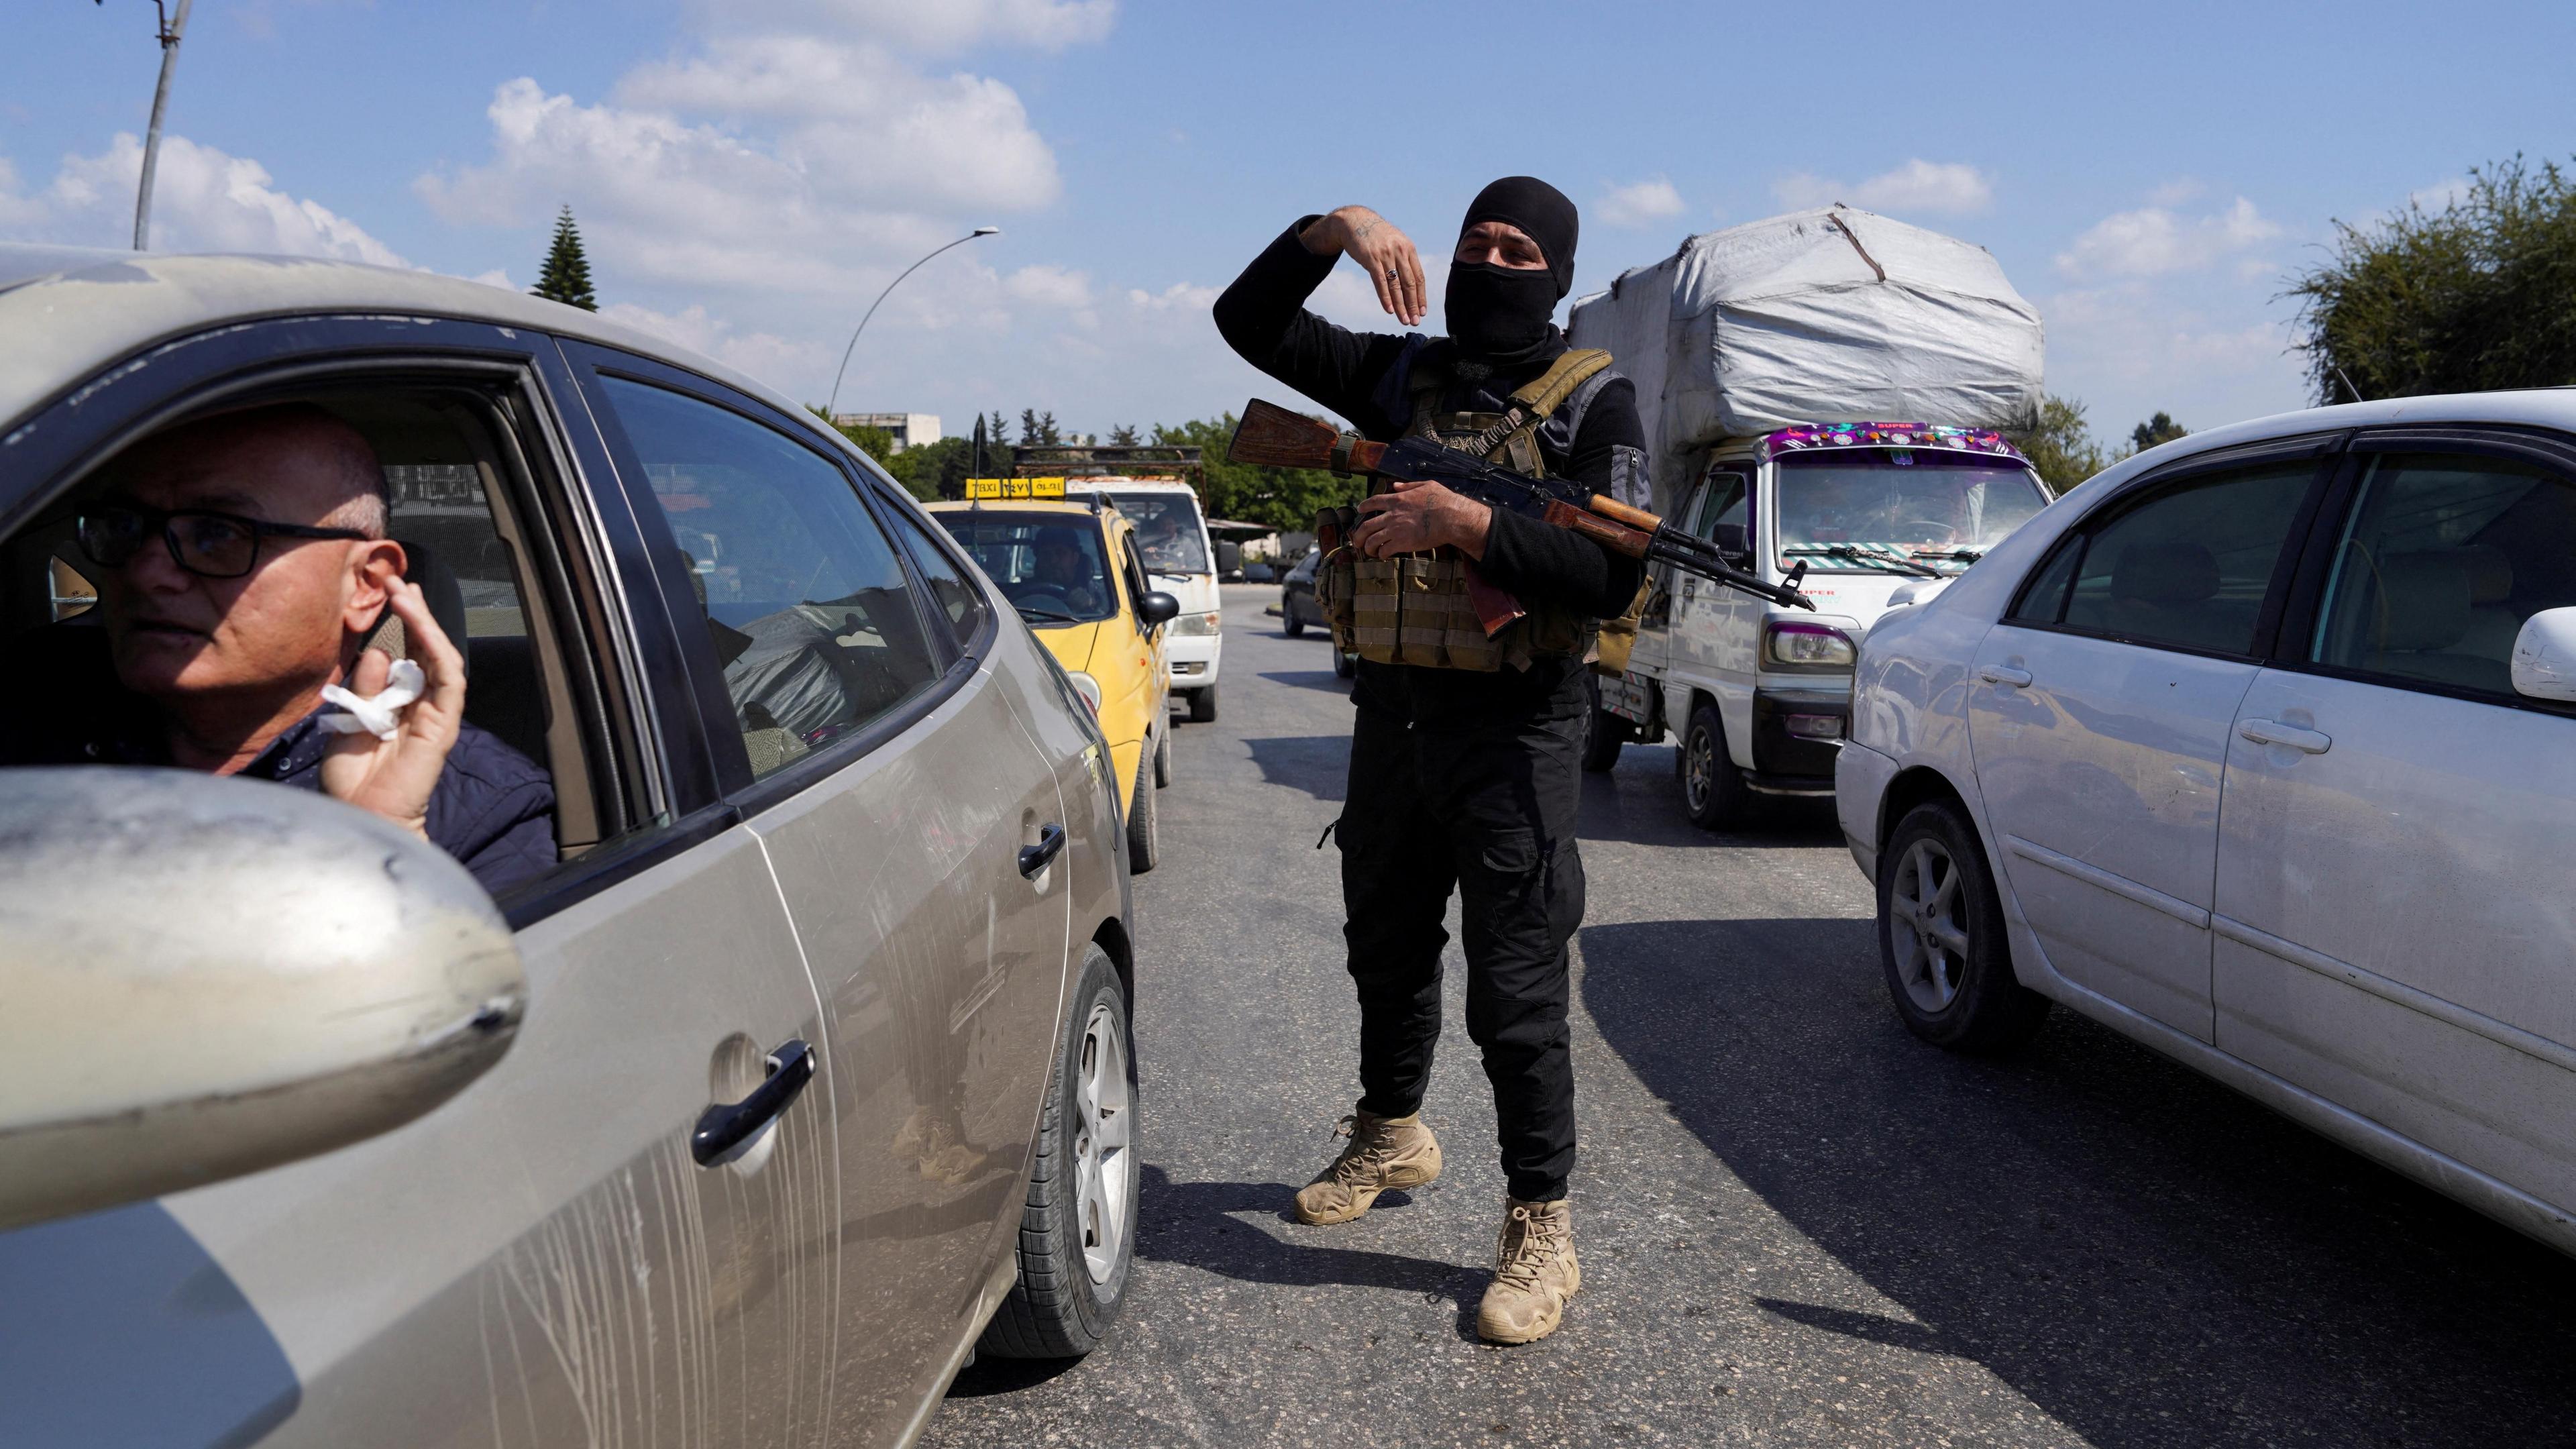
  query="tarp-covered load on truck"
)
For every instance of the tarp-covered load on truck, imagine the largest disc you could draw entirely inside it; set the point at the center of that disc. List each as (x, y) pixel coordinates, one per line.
(1817, 316)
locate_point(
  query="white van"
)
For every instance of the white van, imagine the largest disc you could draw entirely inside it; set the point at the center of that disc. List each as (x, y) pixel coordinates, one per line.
(1171, 532)
(1760, 694)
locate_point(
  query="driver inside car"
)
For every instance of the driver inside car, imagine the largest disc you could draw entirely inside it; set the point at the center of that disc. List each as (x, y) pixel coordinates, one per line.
(242, 566)
(1064, 568)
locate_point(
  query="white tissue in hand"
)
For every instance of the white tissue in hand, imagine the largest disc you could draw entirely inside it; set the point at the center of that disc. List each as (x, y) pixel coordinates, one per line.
(380, 715)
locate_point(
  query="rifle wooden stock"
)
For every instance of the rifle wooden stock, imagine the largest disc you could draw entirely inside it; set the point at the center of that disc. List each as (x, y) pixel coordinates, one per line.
(1618, 512)
(1271, 436)
(1600, 530)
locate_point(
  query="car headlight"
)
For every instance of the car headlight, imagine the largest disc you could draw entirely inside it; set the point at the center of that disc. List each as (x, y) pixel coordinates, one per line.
(1088, 687)
(1200, 624)
(1808, 646)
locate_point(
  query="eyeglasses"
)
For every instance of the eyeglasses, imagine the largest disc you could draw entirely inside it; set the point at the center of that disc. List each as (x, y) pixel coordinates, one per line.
(207, 543)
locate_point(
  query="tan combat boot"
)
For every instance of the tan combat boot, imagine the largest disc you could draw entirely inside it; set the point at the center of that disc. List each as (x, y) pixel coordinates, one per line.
(1534, 1273)
(1385, 1152)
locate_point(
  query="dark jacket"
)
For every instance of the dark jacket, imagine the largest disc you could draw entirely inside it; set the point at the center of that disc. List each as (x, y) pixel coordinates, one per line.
(492, 808)
(1365, 377)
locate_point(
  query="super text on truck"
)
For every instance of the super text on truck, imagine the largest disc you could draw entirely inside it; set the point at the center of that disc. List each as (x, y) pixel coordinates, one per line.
(1769, 360)
(1157, 488)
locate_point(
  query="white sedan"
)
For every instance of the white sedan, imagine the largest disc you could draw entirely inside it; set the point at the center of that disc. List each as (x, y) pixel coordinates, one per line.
(2259, 748)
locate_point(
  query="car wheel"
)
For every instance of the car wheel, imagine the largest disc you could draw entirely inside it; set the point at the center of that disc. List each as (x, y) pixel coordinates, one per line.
(1941, 938)
(1294, 624)
(1162, 757)
(1603, 733)
(1203, 705)
(1144, 847)
(1345, 664)
(1714, 794)
(1077, 1238)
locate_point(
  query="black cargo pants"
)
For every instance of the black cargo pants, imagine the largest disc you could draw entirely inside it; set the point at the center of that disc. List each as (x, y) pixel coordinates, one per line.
(1488, 809)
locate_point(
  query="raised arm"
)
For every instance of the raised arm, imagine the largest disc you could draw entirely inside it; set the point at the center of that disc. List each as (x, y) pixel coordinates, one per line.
(1263, 316)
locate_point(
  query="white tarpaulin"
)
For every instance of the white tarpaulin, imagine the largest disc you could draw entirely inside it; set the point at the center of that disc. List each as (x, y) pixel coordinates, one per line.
(1830, 315)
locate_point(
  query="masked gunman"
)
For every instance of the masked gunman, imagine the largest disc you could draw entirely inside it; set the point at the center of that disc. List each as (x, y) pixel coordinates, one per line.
(1465, 755)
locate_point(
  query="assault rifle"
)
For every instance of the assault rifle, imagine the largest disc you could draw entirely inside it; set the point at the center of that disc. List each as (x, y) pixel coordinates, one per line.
(1273, 436)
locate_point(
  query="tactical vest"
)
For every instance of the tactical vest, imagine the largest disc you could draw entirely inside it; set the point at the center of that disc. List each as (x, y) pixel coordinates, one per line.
(1416, 608)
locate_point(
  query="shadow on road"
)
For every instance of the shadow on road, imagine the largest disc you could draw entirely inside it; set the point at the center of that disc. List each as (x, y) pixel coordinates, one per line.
(1196, 1223)
(2144, 1255)
(1323, 679)
(1640, 803)
(1320, 765)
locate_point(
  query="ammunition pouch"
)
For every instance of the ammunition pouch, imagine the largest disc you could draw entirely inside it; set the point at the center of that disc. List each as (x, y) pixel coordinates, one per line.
(1619, 636)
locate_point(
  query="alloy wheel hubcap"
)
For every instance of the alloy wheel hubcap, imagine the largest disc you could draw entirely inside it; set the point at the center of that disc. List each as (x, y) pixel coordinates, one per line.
(1104, 1132)
(1699, 768)
(1927, 925)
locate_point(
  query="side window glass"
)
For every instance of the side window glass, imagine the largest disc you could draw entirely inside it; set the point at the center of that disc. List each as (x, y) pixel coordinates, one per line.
(2443, 558)
(2044, 601)
(1722, 501)
(807, 605)
(1136, 585)
(2189, 567)
(954, 597)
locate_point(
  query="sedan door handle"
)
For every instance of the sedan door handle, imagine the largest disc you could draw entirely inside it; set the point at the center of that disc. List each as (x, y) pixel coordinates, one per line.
(726, 1126)
(2273, 732)
(2004, 674)
(1035, 858)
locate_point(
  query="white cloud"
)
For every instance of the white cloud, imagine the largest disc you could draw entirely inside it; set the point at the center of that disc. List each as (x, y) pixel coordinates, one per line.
(1178, 297)
(2441, 195)
(1919, 186)
(777, 361)
(1047, 285)
(203, 199)
(497, 277)
(2175, 192)
(941, 25)
(1639, 202)
(2152, 241)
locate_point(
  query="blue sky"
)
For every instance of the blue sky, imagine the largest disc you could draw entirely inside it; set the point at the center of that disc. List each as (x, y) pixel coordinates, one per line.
(748, 175)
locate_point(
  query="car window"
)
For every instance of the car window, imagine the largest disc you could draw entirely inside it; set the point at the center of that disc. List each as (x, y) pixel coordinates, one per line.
(442, 507)
(2442, 559)
(1722, 501)
(808, 607)
(1134, 569)
(2190, 566)
(952, 595)
(1050, 565)
(1167, 530)
(2044, 600)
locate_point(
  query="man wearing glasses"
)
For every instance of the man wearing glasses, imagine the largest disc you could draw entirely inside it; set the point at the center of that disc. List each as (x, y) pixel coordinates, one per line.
(242, 564)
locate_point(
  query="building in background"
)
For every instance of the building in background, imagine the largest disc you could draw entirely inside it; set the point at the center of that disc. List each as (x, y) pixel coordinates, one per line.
(910, 430)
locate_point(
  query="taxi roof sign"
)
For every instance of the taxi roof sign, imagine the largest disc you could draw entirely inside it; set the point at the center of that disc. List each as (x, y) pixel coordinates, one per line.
(1015, 487)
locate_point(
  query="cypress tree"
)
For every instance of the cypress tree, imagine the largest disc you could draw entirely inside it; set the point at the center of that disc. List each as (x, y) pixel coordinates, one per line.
(566, 277)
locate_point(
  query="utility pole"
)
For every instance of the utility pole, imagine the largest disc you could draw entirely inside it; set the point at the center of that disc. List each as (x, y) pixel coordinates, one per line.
(835, 400)
(171, 28)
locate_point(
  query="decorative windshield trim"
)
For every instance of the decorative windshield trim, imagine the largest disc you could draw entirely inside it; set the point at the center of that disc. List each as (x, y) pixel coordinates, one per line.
(1810, 437)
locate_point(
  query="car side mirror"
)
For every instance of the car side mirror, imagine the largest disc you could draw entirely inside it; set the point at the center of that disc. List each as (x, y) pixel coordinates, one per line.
(210, 976)
(2544, 656)
(1730, 540)
(1229, 556)
(1157, 609)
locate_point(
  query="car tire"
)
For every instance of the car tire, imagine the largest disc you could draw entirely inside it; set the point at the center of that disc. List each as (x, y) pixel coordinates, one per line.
(1714, 794)
(1345, 664)
(1144, 845)
(1077, 1238)
(1603, 733)
(1163, 756)
(1293, 624)
(1203, 705)
(1941, 938)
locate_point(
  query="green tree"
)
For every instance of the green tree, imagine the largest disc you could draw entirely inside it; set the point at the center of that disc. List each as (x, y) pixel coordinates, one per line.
(2062, 447)
(1284, 498)
(566, 275)
(1028, 427)
(2478, 295)
(1123, 436)
(2156, 430)
(1047, 435)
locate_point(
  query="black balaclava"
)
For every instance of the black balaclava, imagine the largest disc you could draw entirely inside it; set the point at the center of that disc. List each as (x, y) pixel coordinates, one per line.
(1500, 317)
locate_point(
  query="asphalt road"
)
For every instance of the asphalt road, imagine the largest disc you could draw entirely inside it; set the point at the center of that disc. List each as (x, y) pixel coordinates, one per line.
(1798, 1225)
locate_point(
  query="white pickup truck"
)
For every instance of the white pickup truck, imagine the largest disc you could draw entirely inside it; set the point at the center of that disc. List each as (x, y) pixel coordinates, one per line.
(1760, 694)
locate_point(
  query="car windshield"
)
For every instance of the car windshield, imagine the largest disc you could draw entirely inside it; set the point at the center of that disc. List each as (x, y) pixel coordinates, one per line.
(1050, 565)
(1168, 532)
(1900, 510)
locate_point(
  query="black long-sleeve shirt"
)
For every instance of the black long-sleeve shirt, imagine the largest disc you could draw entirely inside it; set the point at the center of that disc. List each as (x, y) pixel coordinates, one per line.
(1364, 376)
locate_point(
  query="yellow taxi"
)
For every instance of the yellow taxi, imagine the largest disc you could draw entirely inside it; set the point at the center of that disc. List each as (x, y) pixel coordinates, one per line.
(1073, 571)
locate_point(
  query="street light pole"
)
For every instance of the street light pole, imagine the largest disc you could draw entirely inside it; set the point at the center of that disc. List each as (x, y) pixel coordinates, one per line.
(171, 29)
(846, 352)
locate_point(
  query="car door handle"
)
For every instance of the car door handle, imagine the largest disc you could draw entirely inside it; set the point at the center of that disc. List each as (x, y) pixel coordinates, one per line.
(2004, 674)
(2273, 732)
(1035, 858)
(726, 1126)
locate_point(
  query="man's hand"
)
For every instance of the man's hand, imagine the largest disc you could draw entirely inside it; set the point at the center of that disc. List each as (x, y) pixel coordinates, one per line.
(1384, 253)
(1416, 515)
(393, 778)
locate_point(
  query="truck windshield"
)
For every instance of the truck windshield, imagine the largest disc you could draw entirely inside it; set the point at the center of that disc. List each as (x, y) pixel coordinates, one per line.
(1168, 531)
(1915, 509)
(1049, 565)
